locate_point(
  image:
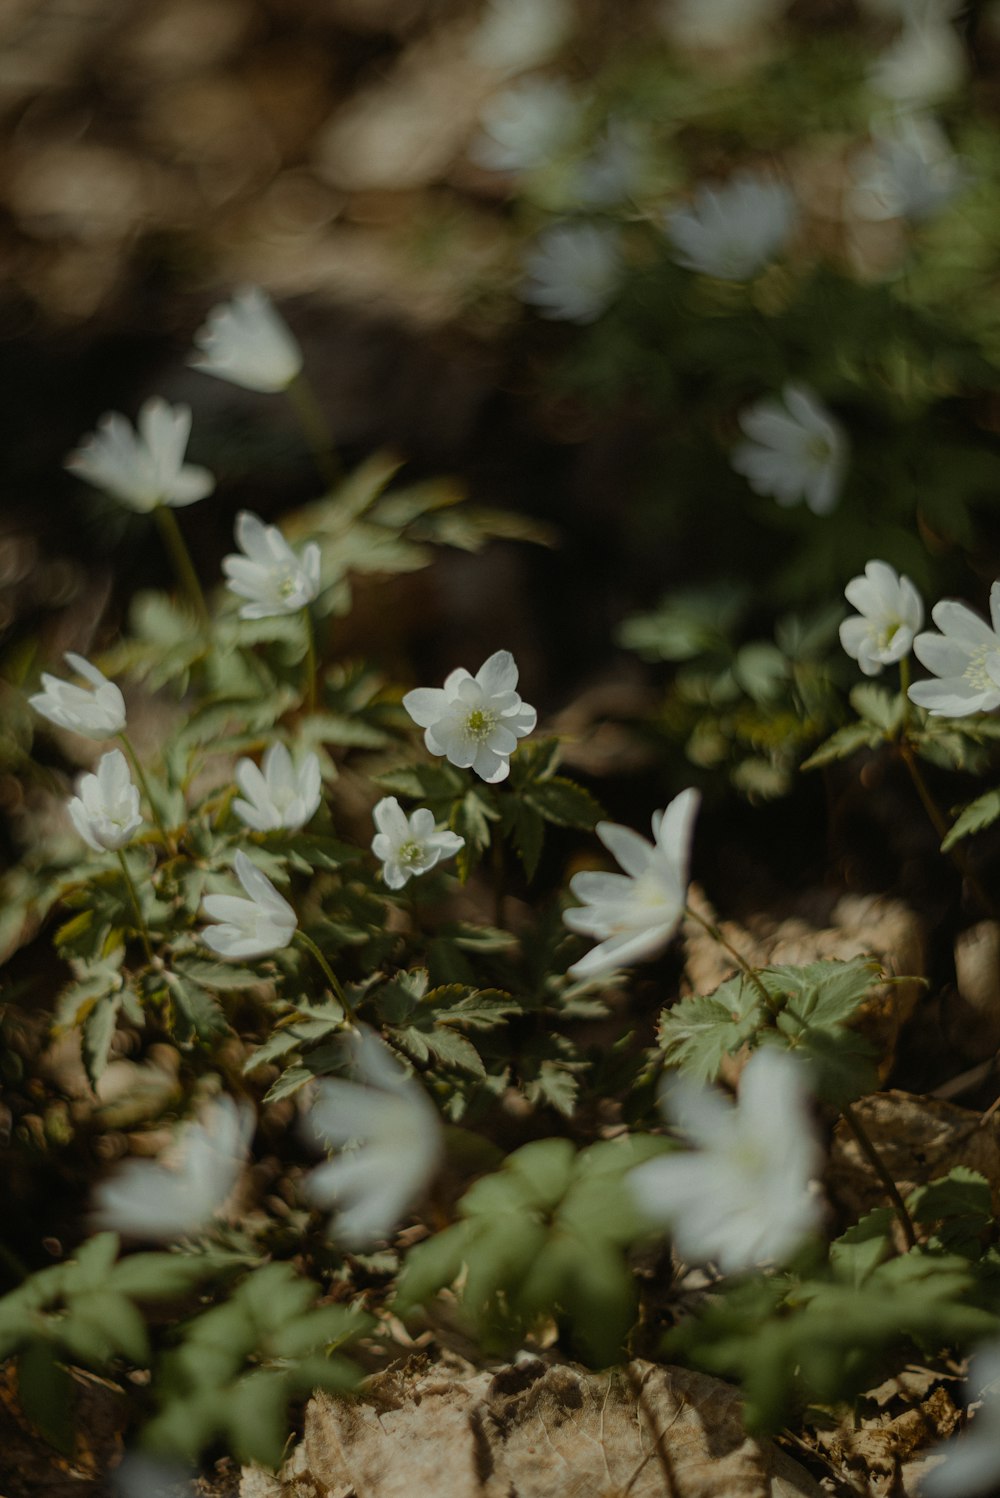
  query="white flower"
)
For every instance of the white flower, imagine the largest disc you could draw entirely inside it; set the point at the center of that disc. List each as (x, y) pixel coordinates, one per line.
(245, 342)
(397, 1135)
(278, 794)
(965, 655)
(96, 712)
(515, 35)
(475, 721)
(144, 467)
(526, 125)
(573, 272)
(796, 450)
(743, 1197)
(910, 172)
(613, 170)
(732, 231)
(160, 1201)
(634, 914)
(263, 923)
(105, 812)
(890, 611)
(972, 1461)
(409, 846)
(276, 579)
(925, 63)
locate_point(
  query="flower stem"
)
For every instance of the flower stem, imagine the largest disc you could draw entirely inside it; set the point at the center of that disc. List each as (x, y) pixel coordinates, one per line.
(880, 1168)
(327, 971)
(140, 918)
(940, 826)
(313, 422)
(741, 962)
(181, 558)
(141, 777)
(310, 683)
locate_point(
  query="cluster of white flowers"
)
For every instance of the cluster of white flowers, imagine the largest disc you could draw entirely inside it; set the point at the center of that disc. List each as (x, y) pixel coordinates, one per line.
(745, 1196)
(634, 914)
(733, 230)
(796, 450)
(395, 1144)
(572, 272)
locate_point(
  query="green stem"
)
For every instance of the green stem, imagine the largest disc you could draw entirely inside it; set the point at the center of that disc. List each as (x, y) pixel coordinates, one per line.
(141, 777)
(327, 971)
(311, 684)
(940, 825)
(880, 1168)
(181, 559)
(140, 918)
(313, 422)
(741, 962)
(904, 687)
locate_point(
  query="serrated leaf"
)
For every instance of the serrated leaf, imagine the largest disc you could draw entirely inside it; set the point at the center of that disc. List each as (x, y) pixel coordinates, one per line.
(961, 1205)
(197, 1012)
(982, 812)
(696, 1034)
(447, 1047)
(883, 709)
(563, 803)
(98, 1033)
(856, 1253)
(843, 743)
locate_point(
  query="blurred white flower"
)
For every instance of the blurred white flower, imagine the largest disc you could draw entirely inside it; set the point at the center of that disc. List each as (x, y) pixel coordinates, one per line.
(105, 811)
(174, 1198)
(613, 171)
(733, 230)
(409, 846)
(246, 342)
(515, 35)
(965, 655)
(910, 171)
(796, 450)
(475, 721)
(972, 1460)
(731, 24)
(634, 914)
(278, 794)
(397, 1138)
(250, 928)
(96, 712)
(526, 125)
(926, 62)
(744, 1196)
(143, 467)
(276, 579)
(890, 611)
(573, 272)
(141, 1476)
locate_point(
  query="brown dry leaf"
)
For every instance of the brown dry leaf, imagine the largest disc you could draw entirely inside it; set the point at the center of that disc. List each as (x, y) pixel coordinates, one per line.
(536, 1431)
(920, 1139)
(884, 1454)
(856, 926)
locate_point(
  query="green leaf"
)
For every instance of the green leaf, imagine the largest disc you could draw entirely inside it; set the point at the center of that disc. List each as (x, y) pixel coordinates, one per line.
(843, 743)
(432, 1265)
(525, 826)
(197, 1012)
(961, 1205)
(856, 1253)
(822, 993)
(98, 1033)
(980, 813)
(884, 710)
(697, 1033)
(45, 1392)
(563, 802)
(216, 976)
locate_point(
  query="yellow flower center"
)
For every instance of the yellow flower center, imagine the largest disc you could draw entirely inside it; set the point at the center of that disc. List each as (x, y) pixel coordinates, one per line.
(480, 724)
(976, 673)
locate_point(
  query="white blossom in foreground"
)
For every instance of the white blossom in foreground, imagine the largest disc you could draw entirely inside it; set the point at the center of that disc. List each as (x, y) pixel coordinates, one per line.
(475, 721)
(105, 811)
(245, 342)
(573, 272)
(143, 467)
(249, 928)
(966, 658)
(972, 1460)
(613, 171)
(733, 230)
(173, 1198)
(890, 612)
(515, 35)
(409, 845)
(796, 450)
(397, 1138)
(96, 711)
(526, 125)
(743, 1197)
(275, 579)
(910, 171)
(634, 914)
(278, 793)
(926, 62)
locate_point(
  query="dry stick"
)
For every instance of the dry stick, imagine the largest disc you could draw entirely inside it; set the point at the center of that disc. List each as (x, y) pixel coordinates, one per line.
(855, 1125)
(181, 558)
